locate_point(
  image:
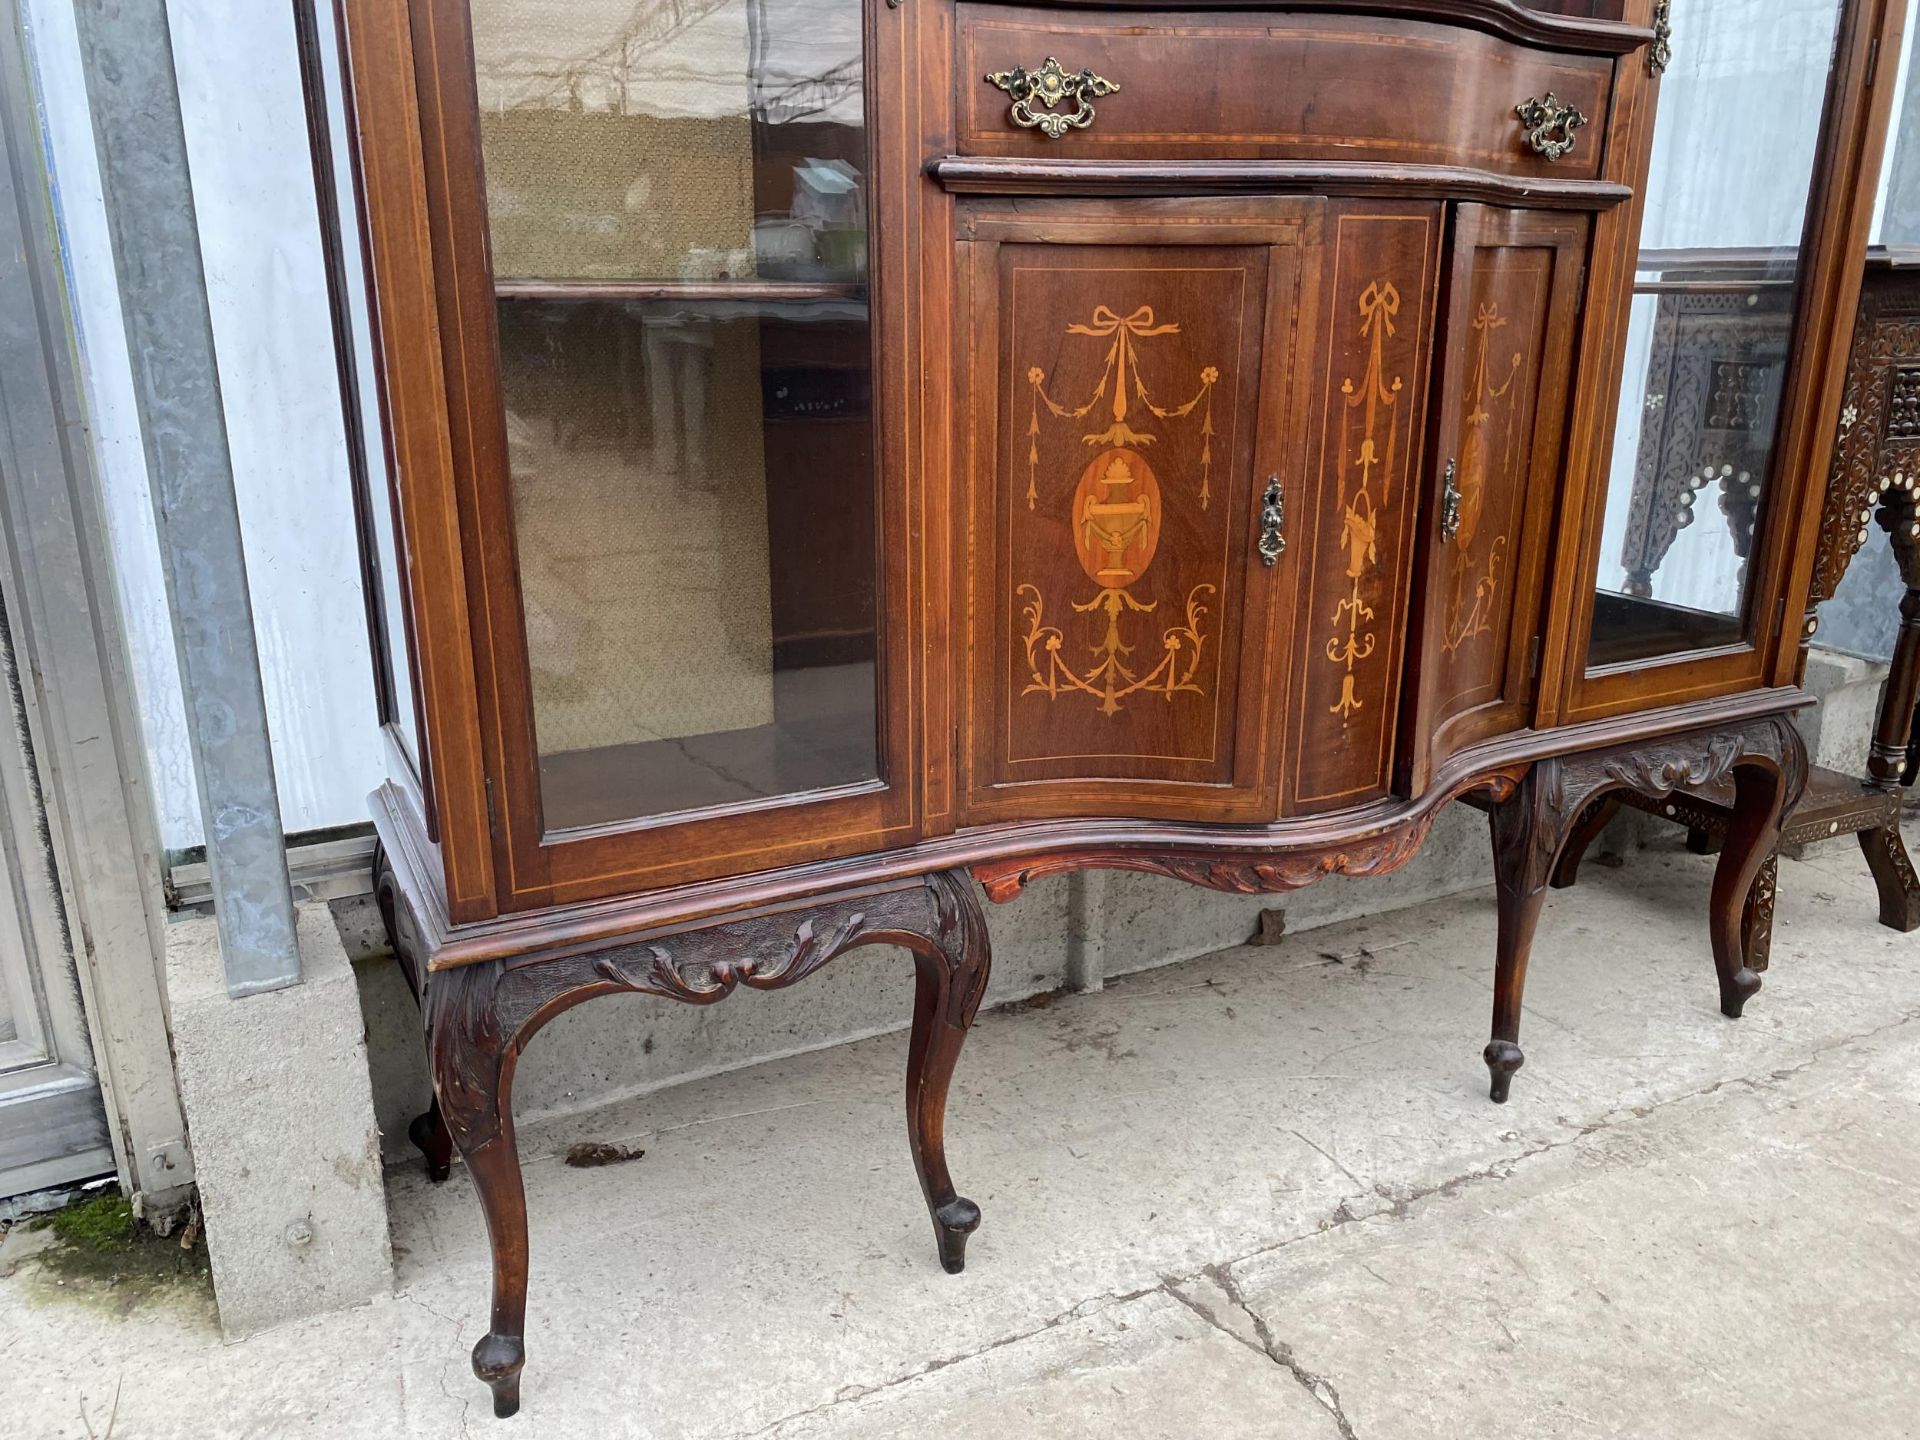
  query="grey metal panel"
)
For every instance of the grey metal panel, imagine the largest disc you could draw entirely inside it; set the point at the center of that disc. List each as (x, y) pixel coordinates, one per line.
(58, 1128)
(135, 103)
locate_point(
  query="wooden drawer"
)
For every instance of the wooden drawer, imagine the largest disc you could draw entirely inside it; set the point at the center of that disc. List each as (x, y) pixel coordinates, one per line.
(1311, 87)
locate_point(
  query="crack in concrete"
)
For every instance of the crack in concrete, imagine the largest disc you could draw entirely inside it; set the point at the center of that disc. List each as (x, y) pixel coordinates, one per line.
(465, 1399)
(1268, 1348)
(1398, 1207)
(847, 1394)
(1281, 1353)
(1328, 1156)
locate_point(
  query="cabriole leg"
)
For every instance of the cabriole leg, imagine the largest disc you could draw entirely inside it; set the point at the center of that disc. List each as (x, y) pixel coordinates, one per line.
(951, 968)
(501, 1353)
(1768, 762)
(480, 1018)
(1594, 819)
(1519, 915)
(1527, 841)
(473, 1079)
(428, 1131)
(1752, 838)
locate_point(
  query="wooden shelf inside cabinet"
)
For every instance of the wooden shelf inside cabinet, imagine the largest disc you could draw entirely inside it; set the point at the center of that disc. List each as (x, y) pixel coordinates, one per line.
(691, 290)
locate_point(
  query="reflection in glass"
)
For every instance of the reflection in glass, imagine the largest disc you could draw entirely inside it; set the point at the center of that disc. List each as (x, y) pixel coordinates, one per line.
(677, 205)
(672, 139)
(1711, 324)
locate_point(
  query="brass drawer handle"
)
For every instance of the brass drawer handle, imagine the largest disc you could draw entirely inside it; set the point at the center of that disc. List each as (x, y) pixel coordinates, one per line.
(1549, 125)
(1049, 87)
(1273, 523)
(1449, 504)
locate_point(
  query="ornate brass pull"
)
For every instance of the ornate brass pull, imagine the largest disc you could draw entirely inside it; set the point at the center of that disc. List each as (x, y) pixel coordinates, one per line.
(1449, 504)
(1660, 53)
(1048, 87)
(1273, 523)
(1549, 125)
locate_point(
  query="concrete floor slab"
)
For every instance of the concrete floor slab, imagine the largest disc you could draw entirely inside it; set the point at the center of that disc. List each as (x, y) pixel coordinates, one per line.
(1746, 1266)
(1189, 1181)
(1148, 1367)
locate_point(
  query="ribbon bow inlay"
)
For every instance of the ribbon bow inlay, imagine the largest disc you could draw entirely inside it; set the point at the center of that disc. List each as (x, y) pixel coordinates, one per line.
(1124, 329)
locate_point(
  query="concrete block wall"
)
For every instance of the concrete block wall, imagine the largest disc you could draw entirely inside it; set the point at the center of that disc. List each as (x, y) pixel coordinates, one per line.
(1840, 726)
(285, 1148)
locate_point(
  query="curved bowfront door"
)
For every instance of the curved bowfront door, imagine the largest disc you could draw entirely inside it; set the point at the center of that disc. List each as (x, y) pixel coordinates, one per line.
(1190, 449)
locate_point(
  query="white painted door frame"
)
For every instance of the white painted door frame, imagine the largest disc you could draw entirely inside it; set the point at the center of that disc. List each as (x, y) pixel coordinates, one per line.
(94, 828)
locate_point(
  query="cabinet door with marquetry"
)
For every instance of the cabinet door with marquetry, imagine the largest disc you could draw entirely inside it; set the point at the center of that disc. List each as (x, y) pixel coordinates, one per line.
(1506, 356)
(1369, 363)
(1126, 384)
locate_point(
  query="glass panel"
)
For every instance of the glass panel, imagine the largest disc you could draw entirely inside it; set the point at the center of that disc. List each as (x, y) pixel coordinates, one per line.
(372, 466)
(1714, 293)
(678, 210)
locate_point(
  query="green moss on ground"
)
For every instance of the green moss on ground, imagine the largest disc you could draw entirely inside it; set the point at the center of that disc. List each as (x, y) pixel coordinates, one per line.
(96, 1250)
(104, 1223)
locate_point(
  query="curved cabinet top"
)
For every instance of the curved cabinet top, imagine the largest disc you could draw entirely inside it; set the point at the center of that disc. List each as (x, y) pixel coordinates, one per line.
(1599, 33)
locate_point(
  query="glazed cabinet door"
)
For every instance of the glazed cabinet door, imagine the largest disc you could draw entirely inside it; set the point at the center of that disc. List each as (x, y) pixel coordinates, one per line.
(674, 456)
(1125, 454)
(1506, 359)
(1368, 364)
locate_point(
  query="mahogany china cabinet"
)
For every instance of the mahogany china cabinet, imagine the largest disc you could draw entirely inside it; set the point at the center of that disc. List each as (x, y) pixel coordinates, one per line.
(847, 458)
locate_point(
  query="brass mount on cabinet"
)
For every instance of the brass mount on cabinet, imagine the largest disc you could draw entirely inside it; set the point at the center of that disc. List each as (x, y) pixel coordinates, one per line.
(1660, 52)
(1273, 523)
(1049, 87)
(1450, 503)
(1549, 125)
